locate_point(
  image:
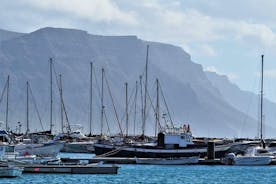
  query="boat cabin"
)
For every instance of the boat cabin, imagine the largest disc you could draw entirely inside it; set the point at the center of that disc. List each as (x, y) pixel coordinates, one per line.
(175, 138)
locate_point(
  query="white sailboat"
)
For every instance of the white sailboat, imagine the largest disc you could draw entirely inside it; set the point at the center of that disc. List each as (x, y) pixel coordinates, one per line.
(255, 155)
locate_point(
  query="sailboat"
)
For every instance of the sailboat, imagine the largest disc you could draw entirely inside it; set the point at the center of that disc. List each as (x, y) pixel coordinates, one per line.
(31, 147)
(257, 155)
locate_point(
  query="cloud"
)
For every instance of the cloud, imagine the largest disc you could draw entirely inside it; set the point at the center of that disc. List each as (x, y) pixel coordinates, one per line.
(96, 10)
(270, 73)
(206, 50)
(230, 76)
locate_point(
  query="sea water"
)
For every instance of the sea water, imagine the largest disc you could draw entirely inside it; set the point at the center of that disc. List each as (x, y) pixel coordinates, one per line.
(160, 174)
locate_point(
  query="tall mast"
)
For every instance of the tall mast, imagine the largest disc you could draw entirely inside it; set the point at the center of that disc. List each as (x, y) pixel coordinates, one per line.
(262, 79)
(61, 104)
(146, 90)
(51, 95)
(7, 105)
(126, 108)
(90, 99)
(135, 107)
(141, 94)
(102, 105)
(157, 113)
(27, 100)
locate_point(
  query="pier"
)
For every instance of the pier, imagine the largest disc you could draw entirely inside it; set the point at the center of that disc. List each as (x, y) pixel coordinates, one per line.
(124, 160)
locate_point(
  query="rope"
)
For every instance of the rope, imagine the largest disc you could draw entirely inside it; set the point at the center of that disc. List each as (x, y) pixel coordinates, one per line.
(36, 109)
(166, 106)
(112, 152)
(4, 89)
(112, 100)
(62, 101)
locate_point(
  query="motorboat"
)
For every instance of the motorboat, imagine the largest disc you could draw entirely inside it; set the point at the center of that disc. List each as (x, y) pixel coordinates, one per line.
(255, 156)
(10, 171)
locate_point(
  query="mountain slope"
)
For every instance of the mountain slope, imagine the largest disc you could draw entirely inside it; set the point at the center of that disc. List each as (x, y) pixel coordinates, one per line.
(189, 93)
(245, 101)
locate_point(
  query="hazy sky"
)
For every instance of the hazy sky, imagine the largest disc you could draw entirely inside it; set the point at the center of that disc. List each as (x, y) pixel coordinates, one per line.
(224, 36)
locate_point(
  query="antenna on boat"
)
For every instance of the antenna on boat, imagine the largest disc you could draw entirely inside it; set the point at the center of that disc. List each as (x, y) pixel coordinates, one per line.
(90, 99)
(126, 86)
(7, 103)
(262, 83)
(145, 98)
(51, 95)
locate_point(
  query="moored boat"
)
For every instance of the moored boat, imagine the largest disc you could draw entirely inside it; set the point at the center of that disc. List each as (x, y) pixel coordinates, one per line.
(168, 161)
(172, 143)
(44, 149)
(10, 171)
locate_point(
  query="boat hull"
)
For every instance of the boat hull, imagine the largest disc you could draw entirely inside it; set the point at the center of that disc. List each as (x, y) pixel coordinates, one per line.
(121, 151)
(73, 169)
(253, 160)
(49, 149)
(6, 172)
(158, 161)
(78, 147)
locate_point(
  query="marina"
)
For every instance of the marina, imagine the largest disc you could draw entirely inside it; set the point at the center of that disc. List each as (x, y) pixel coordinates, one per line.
(148, 92)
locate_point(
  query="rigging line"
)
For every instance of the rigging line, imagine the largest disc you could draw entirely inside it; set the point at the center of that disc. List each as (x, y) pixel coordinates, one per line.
(107, 124)
(154, 109)
(36, 108)
(4, 89)
(98, 86)
(65, 112)
(166, 105)
(116, 114)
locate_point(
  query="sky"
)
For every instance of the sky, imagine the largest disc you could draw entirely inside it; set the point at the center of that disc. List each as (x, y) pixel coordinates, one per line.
(224, 36)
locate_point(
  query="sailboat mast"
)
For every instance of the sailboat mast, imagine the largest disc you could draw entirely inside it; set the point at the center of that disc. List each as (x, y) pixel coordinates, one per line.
(135, 107)
(61, 104)
(146, 90)
(51, 95)
(126, 88)
(27, 100)
(90, 99)
(262, 79)
(7, 104)
(141, 94)
(102, 105)
(157, 113)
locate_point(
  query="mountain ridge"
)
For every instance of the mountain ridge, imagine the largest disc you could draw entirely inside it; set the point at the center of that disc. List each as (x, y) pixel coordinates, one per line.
(191, 96)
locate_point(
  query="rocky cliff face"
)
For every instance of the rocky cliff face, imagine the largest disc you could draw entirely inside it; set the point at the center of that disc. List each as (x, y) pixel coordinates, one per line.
(190, 94)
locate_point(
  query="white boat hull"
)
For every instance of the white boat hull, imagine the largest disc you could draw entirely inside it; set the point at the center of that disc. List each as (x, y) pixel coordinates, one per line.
(253, 160)
(10, 172)
(49, 149)
(162, 161)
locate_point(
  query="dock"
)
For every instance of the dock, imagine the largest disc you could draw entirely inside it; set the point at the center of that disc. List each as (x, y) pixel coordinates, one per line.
(125, 160)
(72, 169)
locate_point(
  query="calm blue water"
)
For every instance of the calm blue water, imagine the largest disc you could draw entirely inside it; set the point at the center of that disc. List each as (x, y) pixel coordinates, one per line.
(161, 174)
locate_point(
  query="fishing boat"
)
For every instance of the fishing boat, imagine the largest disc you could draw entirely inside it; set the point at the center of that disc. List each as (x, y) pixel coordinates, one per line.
(172, 143)
(168, 161)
